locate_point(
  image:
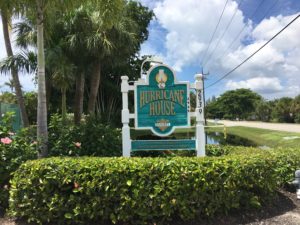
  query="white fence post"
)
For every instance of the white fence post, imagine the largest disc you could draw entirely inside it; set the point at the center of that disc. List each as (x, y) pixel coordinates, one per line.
(200, 133)
(126, 142)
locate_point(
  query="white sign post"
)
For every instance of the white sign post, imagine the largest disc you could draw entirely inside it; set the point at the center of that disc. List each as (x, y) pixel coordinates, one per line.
(199, 111)
(185, 144)
(126, 142)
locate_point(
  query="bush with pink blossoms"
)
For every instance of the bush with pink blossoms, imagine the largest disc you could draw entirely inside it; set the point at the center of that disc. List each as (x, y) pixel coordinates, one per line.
(14, 150)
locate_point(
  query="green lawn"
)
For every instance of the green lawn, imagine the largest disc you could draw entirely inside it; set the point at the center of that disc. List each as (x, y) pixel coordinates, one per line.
(262, 137)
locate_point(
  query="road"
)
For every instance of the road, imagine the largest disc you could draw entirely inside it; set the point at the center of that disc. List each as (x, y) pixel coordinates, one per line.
(256, 124)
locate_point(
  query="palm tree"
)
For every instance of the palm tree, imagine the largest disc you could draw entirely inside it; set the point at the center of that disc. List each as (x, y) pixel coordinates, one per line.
(6, 11)
(62, 74)
(98, 38)
(38, 9)
(87, 29)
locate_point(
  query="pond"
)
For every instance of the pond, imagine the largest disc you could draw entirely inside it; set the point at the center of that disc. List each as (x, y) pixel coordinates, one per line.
(211, 138)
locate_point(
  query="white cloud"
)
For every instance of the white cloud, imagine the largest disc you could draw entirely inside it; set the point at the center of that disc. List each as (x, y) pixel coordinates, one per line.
(263, 85)
(189, 24)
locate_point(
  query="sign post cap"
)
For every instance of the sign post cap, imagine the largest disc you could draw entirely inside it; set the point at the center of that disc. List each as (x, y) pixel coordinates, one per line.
(198, 76)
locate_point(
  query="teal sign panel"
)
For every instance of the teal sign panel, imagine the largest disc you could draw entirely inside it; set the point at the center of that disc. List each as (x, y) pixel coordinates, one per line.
(184, 144)
(161, 104)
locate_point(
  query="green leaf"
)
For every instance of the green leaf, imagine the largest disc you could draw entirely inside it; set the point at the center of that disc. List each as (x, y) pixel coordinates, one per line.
(68, 216)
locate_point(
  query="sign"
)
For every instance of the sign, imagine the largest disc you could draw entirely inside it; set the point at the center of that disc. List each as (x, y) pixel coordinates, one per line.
(179, 144)
(161, 103)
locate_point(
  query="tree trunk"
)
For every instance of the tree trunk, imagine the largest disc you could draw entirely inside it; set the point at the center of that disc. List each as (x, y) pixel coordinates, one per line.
(14, 71)
(79, 94)
(42, 131)
(94, 87)
(63, 104)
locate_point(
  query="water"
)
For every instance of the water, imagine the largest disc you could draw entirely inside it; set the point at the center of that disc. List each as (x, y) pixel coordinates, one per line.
(211, 138)
(218, 138)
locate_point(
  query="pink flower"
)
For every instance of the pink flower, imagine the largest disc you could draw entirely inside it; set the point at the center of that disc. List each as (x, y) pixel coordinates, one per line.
(77, 144)
(6, 140)
(76, 185)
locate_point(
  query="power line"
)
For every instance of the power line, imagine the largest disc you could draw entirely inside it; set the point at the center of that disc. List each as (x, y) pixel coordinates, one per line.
(210, 41)
(249, 57)
(240, 32)
(221, 37)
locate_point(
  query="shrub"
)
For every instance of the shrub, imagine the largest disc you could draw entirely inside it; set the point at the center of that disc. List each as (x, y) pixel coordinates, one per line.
(146, 190)
(91, 138)
(14, 150)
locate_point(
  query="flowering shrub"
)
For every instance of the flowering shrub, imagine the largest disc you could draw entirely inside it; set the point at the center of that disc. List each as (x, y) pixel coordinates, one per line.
(6, 140)
(91, 138)
(14, 150)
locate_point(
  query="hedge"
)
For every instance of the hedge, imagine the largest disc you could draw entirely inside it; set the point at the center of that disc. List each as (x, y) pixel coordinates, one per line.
(146, 190)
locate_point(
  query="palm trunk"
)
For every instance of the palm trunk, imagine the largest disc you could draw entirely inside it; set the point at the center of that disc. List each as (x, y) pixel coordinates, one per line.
(79, 94)
(42, 131)
(14, 71)
(63, 104)
(94, 87)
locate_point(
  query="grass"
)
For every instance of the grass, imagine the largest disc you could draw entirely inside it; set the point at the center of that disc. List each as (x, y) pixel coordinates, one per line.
(262, 137)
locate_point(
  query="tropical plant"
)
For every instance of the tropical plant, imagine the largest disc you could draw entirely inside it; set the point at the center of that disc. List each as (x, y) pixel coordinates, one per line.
(6, 9)
(295, 109)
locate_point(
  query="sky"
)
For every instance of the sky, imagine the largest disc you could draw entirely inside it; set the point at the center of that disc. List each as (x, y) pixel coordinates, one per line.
(181, 32)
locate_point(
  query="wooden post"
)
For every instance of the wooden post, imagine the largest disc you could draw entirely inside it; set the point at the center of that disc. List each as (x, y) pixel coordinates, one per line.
(126, 142)
(199, 111)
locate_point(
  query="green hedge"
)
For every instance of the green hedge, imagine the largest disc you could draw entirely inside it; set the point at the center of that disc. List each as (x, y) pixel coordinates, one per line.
(146, 190)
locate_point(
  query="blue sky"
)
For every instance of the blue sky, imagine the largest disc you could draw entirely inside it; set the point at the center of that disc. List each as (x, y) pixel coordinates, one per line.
(182, 30)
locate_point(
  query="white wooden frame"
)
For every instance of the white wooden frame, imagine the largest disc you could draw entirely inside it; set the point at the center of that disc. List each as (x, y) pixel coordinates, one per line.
(198, 114)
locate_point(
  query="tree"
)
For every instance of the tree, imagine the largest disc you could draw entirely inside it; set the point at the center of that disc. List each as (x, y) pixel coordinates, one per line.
(62, 74)
(282, 110)
(38, 9)
(101, 45)
(295, 109)
(234, 104)
(263, 110)
(6, 12)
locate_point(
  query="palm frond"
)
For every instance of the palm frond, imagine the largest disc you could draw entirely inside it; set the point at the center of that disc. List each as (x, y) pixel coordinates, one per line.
(26, 61)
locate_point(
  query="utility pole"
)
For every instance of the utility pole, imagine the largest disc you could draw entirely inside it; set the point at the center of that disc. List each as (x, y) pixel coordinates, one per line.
(204, 103)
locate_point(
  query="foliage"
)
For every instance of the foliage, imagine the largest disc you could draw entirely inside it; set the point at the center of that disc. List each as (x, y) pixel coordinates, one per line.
(30, 99)
(14, 150)
(8, 97)
(245, 104)
(90, 138)
(147, 190)
(263, 110)
(218, 150)
(234, 104)
(281, 111)
(295, 109)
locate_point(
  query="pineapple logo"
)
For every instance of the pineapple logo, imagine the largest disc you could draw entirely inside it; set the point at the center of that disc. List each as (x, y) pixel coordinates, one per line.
(161, 79)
